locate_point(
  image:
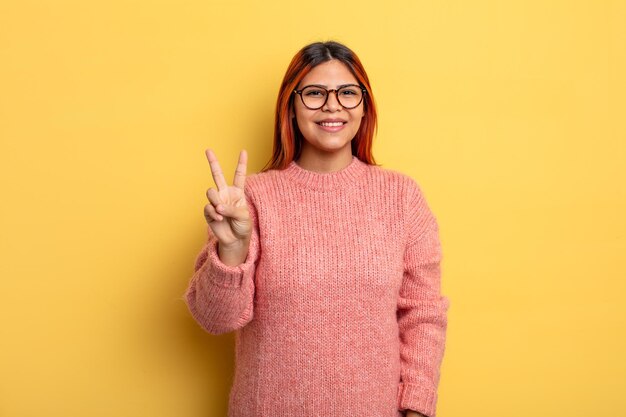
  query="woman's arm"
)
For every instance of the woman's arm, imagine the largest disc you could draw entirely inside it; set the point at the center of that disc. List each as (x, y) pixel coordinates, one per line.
(422, 309)
(220, 296)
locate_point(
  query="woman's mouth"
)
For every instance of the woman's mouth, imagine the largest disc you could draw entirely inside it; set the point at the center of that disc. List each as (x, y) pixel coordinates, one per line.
(331, 126)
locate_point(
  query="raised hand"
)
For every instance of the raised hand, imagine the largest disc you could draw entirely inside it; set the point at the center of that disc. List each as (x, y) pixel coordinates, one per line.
(227, 211)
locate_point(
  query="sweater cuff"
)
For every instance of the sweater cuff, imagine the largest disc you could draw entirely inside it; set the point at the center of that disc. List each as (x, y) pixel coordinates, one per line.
(417, 398)
(222, 274)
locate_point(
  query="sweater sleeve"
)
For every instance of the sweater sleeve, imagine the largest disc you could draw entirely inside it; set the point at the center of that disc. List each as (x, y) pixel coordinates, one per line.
(220, 297)
(422, 309)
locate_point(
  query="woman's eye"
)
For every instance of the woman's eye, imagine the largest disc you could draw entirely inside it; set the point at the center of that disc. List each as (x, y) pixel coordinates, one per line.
(349, 92)
(314, 93)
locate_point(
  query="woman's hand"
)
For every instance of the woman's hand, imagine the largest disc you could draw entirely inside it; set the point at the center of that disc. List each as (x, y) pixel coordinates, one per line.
(227, 211)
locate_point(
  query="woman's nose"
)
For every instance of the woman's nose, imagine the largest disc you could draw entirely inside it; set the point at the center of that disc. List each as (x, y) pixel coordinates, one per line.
(332, 104)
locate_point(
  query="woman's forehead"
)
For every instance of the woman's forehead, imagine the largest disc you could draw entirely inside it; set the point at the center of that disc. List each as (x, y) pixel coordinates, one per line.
(330, 74)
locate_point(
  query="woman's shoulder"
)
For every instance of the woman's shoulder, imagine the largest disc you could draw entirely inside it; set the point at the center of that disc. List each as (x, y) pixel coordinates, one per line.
(394, 177)
(261, 182)
(388, 179)
(405, 188)
(258, 179)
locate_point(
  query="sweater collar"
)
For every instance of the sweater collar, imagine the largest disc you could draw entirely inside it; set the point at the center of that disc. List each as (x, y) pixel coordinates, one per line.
(326, 180)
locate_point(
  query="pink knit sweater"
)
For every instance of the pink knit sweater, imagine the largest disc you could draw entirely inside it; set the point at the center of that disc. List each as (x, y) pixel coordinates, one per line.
(337, 308)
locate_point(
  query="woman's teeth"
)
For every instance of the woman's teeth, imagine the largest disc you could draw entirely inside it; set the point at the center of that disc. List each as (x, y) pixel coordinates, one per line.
(331, 124)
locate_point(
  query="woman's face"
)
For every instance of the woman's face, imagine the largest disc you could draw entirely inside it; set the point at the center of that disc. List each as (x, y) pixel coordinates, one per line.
(332, 127)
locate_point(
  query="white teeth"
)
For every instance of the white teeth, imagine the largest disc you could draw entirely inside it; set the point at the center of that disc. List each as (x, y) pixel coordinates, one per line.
(331, 124)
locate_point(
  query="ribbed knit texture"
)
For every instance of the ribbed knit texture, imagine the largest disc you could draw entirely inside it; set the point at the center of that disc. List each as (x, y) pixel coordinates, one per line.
(337, 308)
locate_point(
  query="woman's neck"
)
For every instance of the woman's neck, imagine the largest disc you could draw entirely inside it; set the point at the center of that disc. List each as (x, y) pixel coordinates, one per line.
(325, 161)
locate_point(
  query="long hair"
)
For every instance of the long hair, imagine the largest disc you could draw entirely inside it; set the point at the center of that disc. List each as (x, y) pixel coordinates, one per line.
(287, 137)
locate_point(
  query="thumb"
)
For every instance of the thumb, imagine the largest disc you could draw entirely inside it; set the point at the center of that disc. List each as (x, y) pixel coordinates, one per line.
(237, 213)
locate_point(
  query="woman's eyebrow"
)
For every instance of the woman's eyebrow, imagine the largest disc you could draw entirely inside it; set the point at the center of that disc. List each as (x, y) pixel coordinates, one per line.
(338, 87)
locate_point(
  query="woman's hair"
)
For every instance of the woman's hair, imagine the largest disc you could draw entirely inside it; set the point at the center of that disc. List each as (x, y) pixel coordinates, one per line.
(287, 137)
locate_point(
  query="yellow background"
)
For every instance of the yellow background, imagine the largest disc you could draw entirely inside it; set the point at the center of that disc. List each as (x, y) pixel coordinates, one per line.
(511, 115)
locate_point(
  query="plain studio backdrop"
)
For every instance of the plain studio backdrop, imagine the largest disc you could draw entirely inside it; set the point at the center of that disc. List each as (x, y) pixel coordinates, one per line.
(511, 116)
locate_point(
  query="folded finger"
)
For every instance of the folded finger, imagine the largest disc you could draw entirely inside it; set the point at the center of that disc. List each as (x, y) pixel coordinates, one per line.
(210, 214)
(213, 196)
(237, 213)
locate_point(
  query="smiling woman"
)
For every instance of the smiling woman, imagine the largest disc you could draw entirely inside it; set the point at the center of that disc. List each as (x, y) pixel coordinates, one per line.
(325, 265)
(326, 125)
(312, 71)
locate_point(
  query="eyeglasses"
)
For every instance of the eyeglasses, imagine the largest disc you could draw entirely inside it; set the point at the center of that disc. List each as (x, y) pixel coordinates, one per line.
(315, 97)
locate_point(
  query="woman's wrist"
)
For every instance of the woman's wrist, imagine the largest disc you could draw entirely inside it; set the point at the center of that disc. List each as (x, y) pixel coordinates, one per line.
(234, 254)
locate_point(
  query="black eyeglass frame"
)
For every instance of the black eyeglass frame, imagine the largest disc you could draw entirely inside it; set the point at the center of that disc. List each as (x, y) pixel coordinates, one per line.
(334, 90)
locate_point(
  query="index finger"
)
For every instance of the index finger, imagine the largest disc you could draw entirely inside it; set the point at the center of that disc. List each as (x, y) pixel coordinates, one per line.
(240, 172)
(216, 170)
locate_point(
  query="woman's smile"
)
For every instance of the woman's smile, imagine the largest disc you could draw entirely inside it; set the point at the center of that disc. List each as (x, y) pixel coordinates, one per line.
(331, 125)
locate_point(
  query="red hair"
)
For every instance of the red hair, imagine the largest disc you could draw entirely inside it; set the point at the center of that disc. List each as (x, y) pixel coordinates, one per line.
(287, 137)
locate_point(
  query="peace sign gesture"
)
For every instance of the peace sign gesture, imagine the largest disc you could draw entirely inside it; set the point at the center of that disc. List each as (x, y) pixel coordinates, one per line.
(227, 212)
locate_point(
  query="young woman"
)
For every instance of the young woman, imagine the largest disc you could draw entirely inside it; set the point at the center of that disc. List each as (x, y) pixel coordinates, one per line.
(325, 265)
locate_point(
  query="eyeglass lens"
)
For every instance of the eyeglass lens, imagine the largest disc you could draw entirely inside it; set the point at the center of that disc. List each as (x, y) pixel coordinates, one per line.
(315, 97)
